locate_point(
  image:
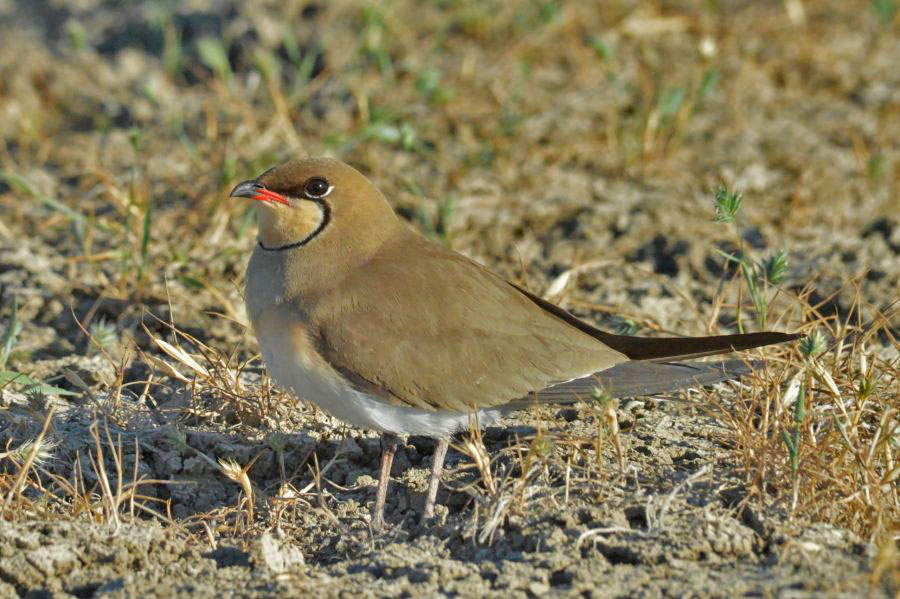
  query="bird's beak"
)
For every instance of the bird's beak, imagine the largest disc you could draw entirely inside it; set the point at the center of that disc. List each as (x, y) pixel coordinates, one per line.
(255, 191)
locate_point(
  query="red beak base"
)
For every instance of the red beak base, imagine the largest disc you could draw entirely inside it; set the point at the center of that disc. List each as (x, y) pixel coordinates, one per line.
(255, 191)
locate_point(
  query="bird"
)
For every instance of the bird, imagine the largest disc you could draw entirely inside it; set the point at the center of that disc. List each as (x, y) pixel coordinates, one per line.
(360, 314)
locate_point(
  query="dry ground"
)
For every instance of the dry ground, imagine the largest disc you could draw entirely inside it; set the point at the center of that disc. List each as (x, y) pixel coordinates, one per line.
(574, 146)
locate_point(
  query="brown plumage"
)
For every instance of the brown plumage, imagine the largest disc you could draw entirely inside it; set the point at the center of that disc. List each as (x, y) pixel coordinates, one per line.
(360, 314)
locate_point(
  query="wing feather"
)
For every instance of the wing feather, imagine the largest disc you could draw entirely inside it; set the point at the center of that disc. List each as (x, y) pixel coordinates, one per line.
(433, 329)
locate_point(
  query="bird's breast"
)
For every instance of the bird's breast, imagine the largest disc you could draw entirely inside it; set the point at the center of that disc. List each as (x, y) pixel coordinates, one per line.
(294, 363)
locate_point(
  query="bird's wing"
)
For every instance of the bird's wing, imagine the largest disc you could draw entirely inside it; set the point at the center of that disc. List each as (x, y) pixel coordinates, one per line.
(433, 329)
(430, 328)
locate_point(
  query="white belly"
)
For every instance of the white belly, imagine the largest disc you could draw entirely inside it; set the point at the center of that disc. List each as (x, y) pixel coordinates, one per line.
(293, 369)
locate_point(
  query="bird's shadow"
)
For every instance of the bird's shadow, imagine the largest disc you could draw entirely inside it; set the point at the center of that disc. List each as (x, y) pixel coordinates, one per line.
(183, 467)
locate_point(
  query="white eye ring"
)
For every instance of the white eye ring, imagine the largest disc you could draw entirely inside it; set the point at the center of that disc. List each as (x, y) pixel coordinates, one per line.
(318, 182)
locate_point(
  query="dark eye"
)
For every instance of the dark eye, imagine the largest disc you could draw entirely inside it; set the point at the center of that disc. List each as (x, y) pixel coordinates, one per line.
(317, 187)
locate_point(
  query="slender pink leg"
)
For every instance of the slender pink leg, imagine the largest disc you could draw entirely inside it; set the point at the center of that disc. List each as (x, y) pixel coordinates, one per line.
(434, 481)
(388, 449)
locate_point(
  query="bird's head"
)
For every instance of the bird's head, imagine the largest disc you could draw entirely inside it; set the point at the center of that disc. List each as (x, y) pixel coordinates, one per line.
(317, 203)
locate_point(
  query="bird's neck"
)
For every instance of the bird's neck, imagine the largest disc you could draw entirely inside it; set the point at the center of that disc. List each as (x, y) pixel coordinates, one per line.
(314, 268)
(283, 228)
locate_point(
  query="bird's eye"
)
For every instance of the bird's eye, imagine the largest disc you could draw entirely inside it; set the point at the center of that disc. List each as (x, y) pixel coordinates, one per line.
(317, 187)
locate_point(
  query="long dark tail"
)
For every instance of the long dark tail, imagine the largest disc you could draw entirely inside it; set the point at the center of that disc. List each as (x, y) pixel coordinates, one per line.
(668, 348)
(665, 348)
(655, 367)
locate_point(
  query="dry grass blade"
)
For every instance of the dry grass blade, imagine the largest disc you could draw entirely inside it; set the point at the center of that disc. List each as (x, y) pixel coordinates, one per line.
(13, 493)
(43, 451)
(498, 492)
(99, 465)
(185, 359)
(520, 491)
(830, 435)
(593, 532)
(655, 520)
(238, 474)
(214, 374)
(317, 480)
(473, 447)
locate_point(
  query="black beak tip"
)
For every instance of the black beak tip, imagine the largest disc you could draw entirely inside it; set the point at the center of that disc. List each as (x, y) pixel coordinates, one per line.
(247, 189)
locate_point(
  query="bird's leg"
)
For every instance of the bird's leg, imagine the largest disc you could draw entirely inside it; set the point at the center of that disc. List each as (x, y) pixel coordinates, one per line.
(389, 443)
(434, 481)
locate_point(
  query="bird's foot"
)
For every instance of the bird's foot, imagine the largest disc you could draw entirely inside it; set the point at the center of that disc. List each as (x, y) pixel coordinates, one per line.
(378, 525)
(436, 517)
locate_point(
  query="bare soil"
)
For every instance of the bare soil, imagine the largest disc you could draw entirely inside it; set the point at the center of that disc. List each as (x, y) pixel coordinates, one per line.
(536, 137)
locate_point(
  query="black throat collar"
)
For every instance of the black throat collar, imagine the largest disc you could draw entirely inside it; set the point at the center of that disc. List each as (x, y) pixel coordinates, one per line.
(326, 219)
